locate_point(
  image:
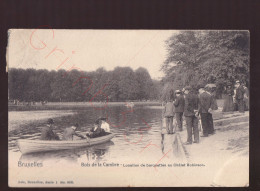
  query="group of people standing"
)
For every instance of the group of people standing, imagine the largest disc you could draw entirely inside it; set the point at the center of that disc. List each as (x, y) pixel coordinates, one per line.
(101, 128)
(236, 99)
(192, 106)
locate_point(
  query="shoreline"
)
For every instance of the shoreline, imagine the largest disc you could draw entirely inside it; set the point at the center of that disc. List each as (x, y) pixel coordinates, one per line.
(70, 105)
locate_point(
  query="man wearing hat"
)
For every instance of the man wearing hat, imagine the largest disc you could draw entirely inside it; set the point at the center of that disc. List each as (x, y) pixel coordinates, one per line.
(179, 108)
(70, 132)
(214, 106)
(205, 105)
(47, 131)
(190, 113)
(96, 131)
(239, 96)
(168, 114)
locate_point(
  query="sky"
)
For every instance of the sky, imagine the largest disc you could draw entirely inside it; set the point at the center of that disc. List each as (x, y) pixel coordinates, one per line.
(87, 50)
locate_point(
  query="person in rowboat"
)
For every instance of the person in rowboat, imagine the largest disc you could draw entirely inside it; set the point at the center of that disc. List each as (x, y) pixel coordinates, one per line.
(104, 124)
(96, 131)
(47, 131)
(70, 131)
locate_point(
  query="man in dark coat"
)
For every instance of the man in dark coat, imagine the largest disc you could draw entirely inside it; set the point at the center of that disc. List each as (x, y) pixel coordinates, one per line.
(70, 132)
(211, 89)
(96, 131)
(190, 113)
(47, 131)
(214, 106)
(239, 96)
(179, 108)
(205, 104)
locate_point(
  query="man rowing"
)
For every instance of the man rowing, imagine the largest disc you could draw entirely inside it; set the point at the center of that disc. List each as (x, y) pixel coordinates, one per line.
(70, 132)
(47, 131)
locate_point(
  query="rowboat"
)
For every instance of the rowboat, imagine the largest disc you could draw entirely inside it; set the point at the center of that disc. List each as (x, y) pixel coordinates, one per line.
(33, 146)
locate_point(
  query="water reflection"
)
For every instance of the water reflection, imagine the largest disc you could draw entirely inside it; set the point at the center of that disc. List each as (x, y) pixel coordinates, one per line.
(172, 143)
(133, 131)
(162, 143)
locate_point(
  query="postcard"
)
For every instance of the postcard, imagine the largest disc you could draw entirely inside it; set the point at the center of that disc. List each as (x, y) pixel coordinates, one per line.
(128, 108)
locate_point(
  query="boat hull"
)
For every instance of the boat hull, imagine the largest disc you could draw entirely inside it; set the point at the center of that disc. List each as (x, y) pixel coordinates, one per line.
(33, 146)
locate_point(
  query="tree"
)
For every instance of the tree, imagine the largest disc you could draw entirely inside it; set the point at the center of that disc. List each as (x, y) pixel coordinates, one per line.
(118, 85)
(144, 83)
(127, 84)
(200, 57)
(59, 87)
(16, 81)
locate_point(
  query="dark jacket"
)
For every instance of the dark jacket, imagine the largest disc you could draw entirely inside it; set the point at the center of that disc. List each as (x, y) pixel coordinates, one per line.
(48, 134)
(168, 110)
(205, 102)
(68, 134)
(214, 105)
(179, 104)
(97, 132)
(190, 104)
(240, 93)
(229, 91)
(246, 91)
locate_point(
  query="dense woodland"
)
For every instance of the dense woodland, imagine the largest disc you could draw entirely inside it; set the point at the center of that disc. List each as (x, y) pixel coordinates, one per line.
(201, 57)
(121, 84)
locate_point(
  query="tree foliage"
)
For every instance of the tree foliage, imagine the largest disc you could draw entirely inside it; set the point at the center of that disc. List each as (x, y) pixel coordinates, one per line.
(200, 57)
(118, 85)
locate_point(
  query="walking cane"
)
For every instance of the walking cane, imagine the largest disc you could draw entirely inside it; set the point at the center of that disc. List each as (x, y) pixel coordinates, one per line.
(199, 124)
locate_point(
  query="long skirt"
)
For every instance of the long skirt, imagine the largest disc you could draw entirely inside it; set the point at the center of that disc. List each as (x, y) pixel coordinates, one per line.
(228, 104)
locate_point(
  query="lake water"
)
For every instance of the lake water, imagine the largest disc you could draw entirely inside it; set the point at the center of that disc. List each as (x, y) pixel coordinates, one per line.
(138, 141)
(137, 138)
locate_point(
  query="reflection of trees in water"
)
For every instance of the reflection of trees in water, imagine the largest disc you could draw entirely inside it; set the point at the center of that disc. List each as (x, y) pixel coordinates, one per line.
(115, 117)
(134, 129)
(141, 122)
(93, 153)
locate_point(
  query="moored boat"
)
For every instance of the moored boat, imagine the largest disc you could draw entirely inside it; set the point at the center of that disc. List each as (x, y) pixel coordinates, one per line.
(33, 146)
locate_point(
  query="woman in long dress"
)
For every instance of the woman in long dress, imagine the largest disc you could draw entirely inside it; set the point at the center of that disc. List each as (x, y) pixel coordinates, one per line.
(228, 101)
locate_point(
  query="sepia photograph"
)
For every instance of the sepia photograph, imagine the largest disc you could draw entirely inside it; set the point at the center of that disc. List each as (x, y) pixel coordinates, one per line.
(128, 108)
